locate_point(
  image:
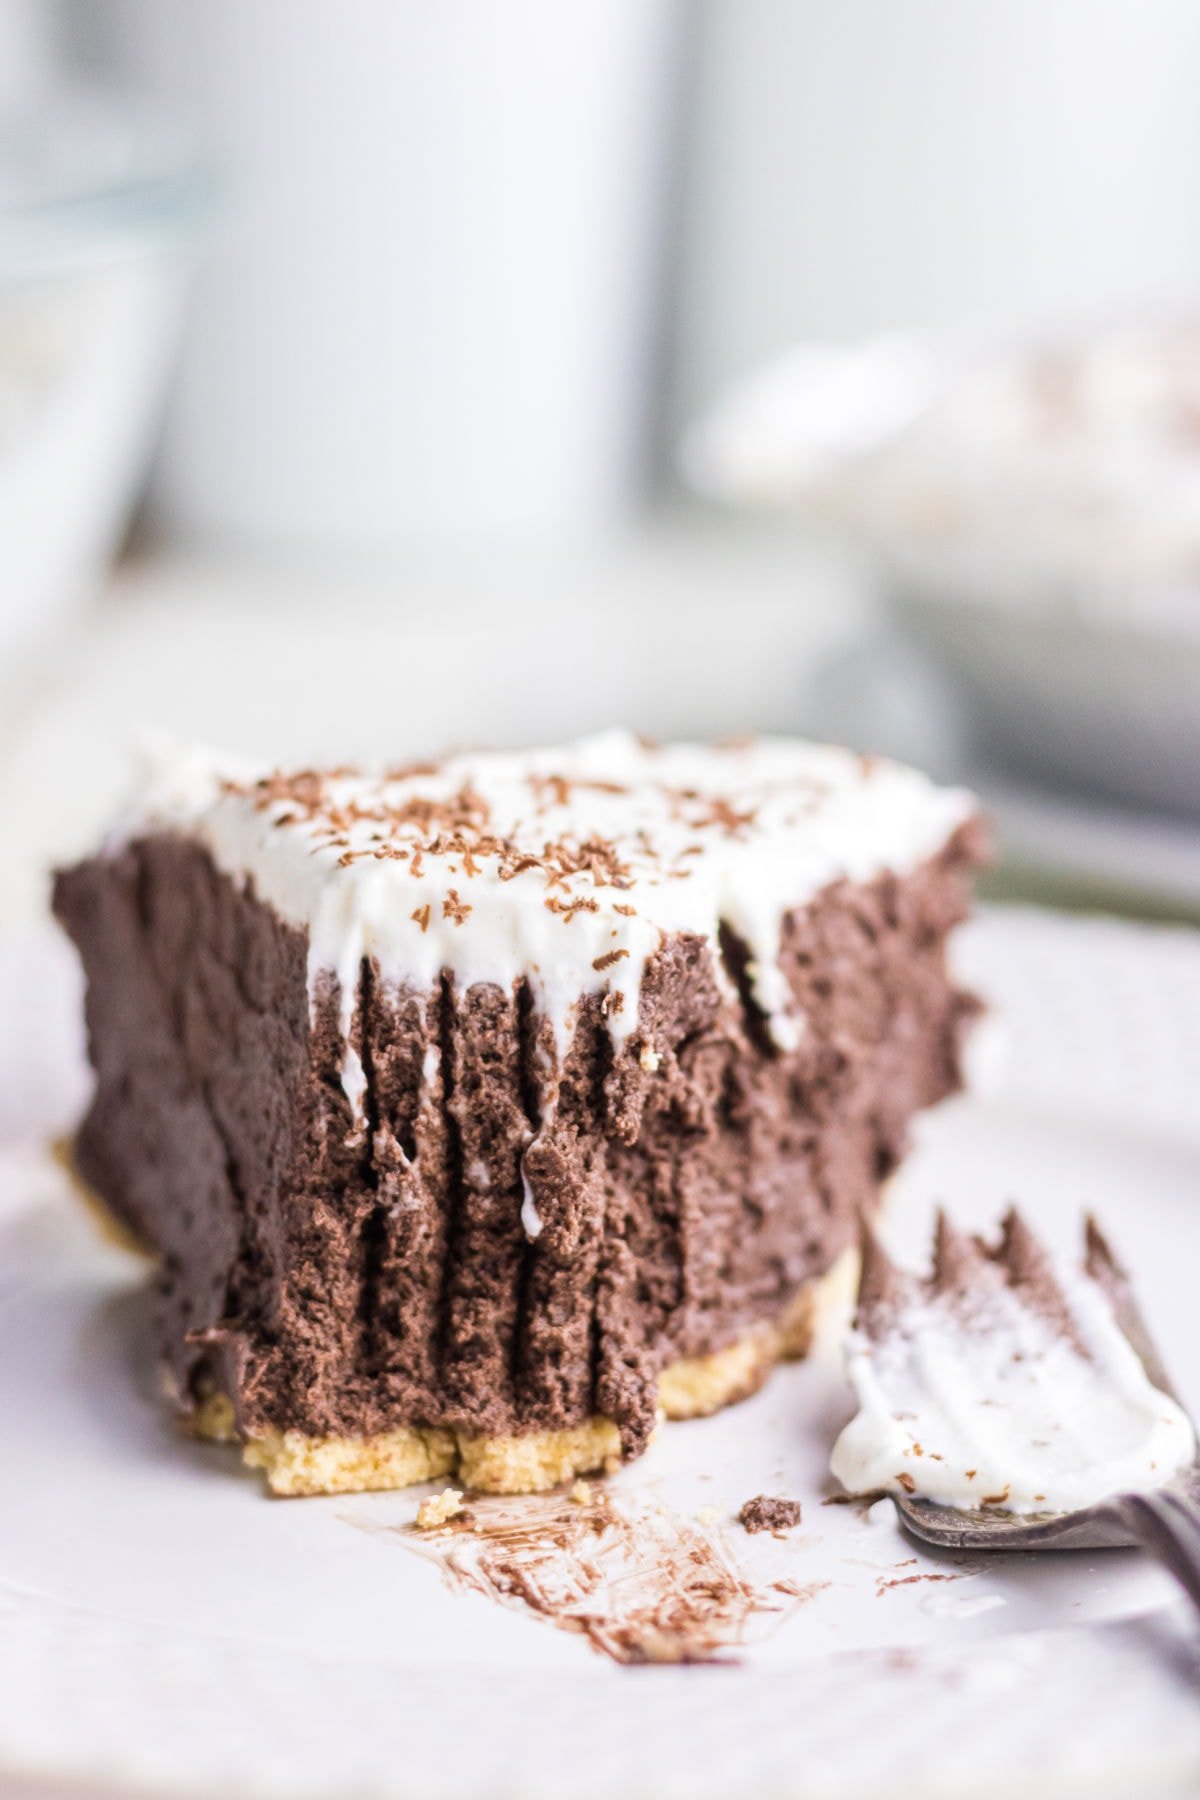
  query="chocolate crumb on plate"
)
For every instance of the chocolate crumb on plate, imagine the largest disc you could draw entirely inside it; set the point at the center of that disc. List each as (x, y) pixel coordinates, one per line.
(766, 1513)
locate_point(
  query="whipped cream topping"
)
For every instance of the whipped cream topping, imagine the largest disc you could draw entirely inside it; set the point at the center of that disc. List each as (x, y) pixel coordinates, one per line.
(563, 866)
(1005, 1381)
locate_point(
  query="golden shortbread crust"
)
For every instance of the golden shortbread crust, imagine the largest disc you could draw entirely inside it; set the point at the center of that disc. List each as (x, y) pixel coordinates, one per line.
(294, 1463)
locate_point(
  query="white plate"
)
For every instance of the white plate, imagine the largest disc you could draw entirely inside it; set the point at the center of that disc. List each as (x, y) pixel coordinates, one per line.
(162, 1625)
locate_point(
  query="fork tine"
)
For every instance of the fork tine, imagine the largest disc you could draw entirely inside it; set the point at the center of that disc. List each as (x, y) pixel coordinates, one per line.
(1167, 1527)
(959, 1262)
(1100, 1259)
(880, 1283)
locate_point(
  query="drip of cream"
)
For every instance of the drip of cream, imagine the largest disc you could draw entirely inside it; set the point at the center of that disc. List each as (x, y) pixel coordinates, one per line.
(1000, 1407)
(531, 1219)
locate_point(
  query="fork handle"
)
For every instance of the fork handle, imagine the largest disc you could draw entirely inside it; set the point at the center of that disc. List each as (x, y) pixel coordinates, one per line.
(1166, 1525)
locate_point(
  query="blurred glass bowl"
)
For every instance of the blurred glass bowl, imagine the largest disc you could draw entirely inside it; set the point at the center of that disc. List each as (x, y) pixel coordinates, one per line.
(1034, 513)
(101, 209)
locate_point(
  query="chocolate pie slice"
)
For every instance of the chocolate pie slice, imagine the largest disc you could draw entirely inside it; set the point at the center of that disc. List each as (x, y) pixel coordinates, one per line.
(478, 1113)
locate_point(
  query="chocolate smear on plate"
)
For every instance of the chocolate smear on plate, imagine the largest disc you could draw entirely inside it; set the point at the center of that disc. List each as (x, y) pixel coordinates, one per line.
(639, 1584)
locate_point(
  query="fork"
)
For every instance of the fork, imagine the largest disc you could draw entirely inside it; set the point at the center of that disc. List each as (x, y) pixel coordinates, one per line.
(1164, 1522)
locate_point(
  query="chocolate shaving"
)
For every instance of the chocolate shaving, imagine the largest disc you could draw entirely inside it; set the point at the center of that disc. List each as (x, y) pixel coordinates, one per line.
(554, 787)
(606, 961)
(568, 908)
(517, 865)
(883, 1587)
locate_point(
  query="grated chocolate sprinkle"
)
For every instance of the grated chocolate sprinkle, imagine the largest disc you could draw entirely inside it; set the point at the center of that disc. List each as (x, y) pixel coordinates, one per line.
(600, 963)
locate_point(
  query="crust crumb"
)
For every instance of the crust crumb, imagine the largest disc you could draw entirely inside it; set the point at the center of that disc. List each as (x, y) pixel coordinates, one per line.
(439, 1508)
(581, 1492)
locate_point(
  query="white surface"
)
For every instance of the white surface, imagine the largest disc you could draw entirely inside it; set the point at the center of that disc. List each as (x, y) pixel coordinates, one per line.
(162, 1624)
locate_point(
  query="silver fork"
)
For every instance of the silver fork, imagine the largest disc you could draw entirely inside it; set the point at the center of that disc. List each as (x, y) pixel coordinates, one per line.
(1164, 1522)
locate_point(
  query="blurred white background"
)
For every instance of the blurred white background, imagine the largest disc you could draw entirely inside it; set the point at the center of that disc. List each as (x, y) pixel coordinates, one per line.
(429, 312)
(863, 166)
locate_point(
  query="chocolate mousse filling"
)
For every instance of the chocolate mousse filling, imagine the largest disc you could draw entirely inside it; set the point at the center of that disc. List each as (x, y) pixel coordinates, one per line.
(344, 1270)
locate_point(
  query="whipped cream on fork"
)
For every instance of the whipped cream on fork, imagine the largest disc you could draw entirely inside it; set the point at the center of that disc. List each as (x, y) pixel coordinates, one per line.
(1004, 1380)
